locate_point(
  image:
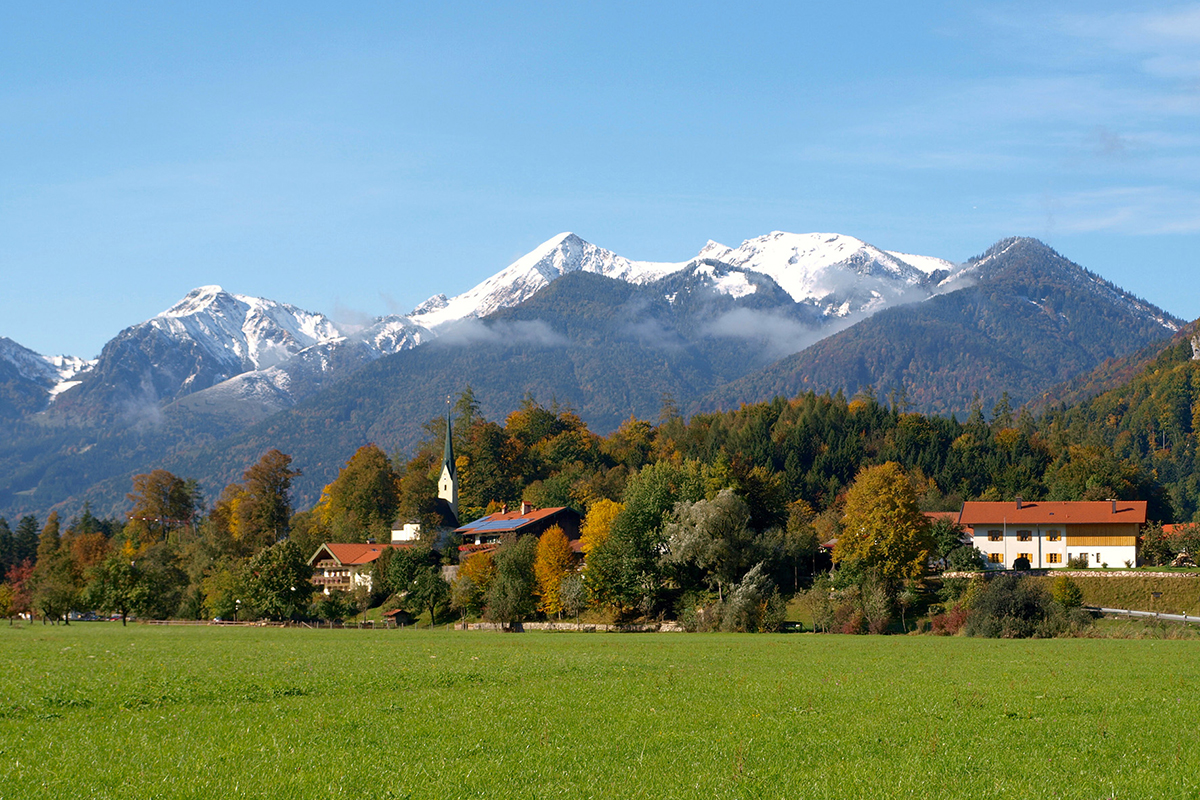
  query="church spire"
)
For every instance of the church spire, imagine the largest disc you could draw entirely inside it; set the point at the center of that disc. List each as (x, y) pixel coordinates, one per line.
(448, 482)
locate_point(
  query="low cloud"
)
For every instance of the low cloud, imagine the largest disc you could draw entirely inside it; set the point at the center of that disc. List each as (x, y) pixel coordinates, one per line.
(780, 335)
(502, 332)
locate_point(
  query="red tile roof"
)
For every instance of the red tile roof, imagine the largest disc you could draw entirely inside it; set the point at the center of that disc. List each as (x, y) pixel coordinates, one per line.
(352, 554)
(1059, 512)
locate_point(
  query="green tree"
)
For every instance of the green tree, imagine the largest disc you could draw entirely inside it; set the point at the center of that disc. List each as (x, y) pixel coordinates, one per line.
(114, 586)
(510, 596)
(714, 536)
(53, 579)
(883, 530)
(278, 579)
(430, 591)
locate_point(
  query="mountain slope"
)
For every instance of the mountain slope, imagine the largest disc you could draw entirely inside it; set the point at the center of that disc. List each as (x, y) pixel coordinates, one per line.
(28, 380)
(206, 338)
(1018, 319)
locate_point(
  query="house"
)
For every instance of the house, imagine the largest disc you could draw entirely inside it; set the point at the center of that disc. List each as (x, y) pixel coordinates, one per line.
(485, 532)
(346, 566)
(1051, 533)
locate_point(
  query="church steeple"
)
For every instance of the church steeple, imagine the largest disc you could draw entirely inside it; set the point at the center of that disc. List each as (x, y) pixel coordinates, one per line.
(448, 483)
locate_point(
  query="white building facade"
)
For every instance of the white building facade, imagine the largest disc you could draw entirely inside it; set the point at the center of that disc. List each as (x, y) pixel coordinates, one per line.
(1049, 534)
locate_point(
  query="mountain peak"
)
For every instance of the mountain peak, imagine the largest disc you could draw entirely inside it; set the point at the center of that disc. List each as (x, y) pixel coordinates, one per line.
(196, 300)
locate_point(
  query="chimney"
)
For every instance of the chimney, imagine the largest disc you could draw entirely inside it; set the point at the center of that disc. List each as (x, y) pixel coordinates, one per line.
(370, 541)
(1114, 506)
(526, 508)
(504, 508)
(1019, 501)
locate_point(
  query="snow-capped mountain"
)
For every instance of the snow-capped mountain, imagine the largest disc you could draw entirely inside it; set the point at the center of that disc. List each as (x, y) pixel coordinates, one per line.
(841, 274)
(525, 276)
(242, 332)
(214, 348)
(32, 380)
(206, 338)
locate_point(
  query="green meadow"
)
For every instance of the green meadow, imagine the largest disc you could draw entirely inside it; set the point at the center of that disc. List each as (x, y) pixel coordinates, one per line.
(95, 710)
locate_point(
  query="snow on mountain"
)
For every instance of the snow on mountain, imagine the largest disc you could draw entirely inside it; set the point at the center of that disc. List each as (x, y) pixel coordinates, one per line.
(838, 273)
(244, 332)
(525, 276)
(54, 373)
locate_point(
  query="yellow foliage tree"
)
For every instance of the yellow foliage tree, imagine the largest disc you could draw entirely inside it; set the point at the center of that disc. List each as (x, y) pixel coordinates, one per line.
(598, 524)
(554, 560)
(883, 530)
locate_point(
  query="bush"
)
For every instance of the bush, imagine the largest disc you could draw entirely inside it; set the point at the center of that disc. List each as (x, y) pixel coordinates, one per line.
(1066, 592)
(1014, 607)
(966, 559)
(1078, 562)
(950, 622)
(1021, 564)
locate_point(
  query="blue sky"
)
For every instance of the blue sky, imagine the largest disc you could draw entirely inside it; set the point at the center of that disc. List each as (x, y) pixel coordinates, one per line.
(357, 158)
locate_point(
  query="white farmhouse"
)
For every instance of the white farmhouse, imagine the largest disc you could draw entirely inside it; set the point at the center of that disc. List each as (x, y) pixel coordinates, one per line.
(1049, 534)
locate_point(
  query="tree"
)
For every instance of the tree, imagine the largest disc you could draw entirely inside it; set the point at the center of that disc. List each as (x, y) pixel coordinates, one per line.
(470, 588)
(715, 537)
(53, 579)
(598, 523)
(947, 536)
(114, 586)
(883, 530)
(510, 596)
(429, 590)
(20, 584)
(554, 562)
(267, 486)
(7, 602)
(362, 501)
(7, 548)
(25, 539)
(161, 500)
(278, 579)
(1066, 592)
(800, 539)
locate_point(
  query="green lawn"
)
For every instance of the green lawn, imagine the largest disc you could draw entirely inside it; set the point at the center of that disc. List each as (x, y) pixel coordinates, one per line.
(94, 710)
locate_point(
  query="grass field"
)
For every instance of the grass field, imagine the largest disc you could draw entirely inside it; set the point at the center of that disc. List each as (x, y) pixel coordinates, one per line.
(94, 710)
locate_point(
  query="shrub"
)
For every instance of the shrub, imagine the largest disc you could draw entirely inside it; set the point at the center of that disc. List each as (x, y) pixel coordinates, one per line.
(951, 622)
(1078, 562)
(966, 559)
(1021, 564)
(1066, 592)
(1014, 607)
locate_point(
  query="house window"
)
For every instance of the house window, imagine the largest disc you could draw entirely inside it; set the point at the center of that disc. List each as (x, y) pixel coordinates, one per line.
(1053, 536)
(1053, 558)
(996, 558)
(1024, 536)
(995, 536)
(1027, 556)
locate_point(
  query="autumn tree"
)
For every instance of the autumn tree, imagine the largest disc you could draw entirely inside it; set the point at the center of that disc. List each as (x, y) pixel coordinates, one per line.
(470, 587)
(554, 562)
(883, 531)
(268, 486)
(114, 586)
(598, 524)
(362, 501)
(161, 500)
